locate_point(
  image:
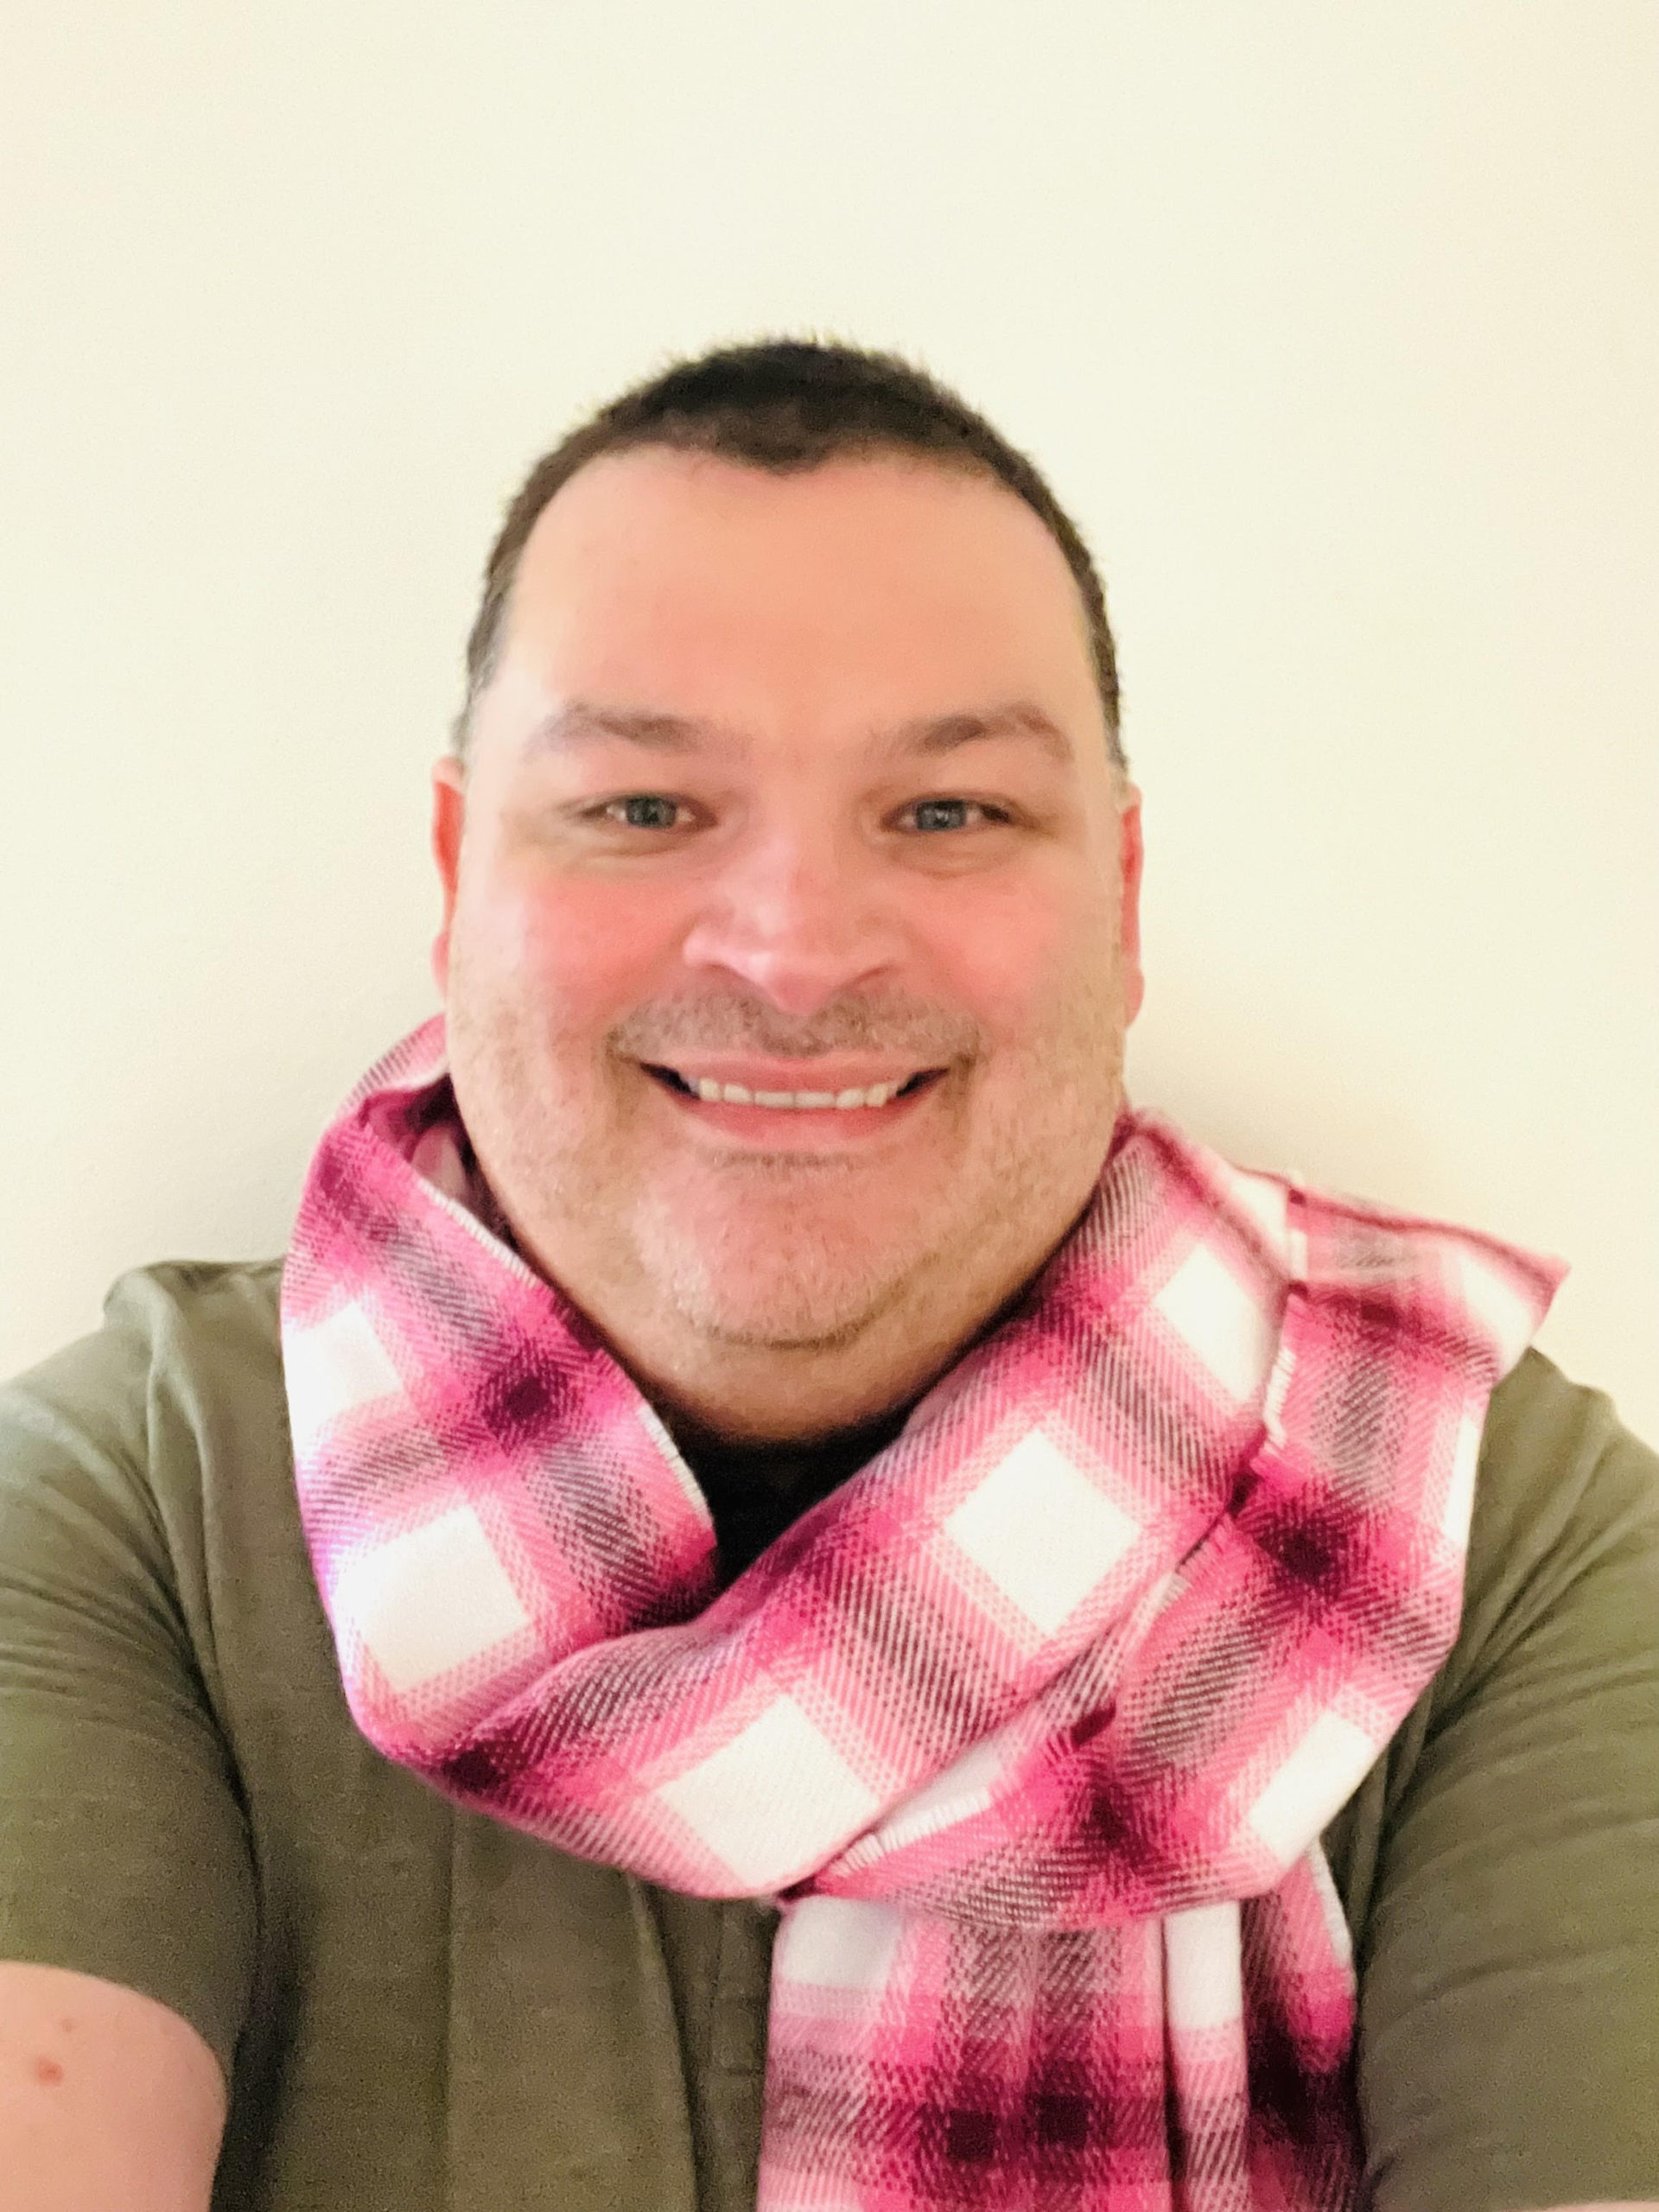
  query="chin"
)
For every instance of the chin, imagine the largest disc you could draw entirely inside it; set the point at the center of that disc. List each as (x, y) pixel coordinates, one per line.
(782, 1298)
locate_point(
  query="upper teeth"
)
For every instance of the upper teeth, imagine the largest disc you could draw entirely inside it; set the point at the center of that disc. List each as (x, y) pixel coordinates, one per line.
(739, 1094)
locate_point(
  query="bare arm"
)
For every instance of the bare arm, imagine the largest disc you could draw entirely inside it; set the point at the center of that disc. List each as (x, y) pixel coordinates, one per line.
(106, 2098)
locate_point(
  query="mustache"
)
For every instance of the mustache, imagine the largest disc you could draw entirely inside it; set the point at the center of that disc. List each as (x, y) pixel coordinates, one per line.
(899, 1027)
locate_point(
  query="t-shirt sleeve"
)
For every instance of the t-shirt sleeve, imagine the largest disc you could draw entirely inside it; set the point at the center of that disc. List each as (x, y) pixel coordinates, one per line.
(123, 1852)
(1508, 2051)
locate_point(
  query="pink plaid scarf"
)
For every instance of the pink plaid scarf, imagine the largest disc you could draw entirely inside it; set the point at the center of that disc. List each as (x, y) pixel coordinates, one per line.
(1031, 1727)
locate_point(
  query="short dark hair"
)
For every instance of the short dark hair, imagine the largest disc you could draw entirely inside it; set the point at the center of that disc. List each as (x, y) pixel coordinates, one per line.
(788, 405)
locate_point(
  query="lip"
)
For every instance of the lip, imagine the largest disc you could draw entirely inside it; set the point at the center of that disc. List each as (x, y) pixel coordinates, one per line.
(793, 1129)
(833, 1072)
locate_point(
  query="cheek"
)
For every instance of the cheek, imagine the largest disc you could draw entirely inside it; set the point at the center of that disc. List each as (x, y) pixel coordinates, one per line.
(581, 953)
(1021, 962)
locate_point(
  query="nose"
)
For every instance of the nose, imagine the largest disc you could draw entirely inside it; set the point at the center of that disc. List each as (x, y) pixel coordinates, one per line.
(797, 914)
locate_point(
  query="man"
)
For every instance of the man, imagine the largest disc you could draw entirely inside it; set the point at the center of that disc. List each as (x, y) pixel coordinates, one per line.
(1080, 1665)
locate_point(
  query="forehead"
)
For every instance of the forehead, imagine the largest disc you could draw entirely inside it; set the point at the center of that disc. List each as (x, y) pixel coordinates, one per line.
(885, 586)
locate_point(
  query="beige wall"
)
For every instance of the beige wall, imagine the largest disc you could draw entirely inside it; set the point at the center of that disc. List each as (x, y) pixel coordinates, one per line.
(1336, 325)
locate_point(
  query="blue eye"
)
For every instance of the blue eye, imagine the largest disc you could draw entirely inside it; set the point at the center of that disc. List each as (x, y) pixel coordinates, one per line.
(942, 813)
(644, 811)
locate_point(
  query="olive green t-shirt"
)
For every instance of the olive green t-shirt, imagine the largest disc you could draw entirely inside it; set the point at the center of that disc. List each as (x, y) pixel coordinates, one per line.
(421, 2010)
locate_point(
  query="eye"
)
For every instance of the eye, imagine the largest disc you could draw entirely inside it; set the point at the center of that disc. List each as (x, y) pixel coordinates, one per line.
(642, 811)
(938, 814)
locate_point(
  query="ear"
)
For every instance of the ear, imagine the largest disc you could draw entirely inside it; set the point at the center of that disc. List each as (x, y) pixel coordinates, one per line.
(448, 820)
(1130, 855)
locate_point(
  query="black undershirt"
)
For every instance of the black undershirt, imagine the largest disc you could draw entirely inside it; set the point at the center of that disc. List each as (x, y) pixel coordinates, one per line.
(754, 1491)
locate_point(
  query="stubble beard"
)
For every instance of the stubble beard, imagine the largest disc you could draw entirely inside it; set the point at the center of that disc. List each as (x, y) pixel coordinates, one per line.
(797, 1258)
(793, 1256)
(778, 1253)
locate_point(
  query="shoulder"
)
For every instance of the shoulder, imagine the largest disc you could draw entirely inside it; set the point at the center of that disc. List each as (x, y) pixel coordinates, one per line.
(192, 1330)
(1544, 1431)
(107, 1446)
(1561, 1594)
(1565, 1523)
(218, 1316)
(1564, 1539)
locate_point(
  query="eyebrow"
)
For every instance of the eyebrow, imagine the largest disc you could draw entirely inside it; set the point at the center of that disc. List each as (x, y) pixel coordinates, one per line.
(945, 733)
(582, 722)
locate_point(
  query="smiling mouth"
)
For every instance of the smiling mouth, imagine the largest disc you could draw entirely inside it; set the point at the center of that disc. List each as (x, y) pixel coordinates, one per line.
(711, 1093)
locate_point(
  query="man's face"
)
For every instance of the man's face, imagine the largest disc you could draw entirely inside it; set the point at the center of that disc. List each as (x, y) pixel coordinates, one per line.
(789, 785)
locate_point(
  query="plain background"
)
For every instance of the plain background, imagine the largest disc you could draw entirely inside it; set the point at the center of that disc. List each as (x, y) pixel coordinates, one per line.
(1336, 327)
